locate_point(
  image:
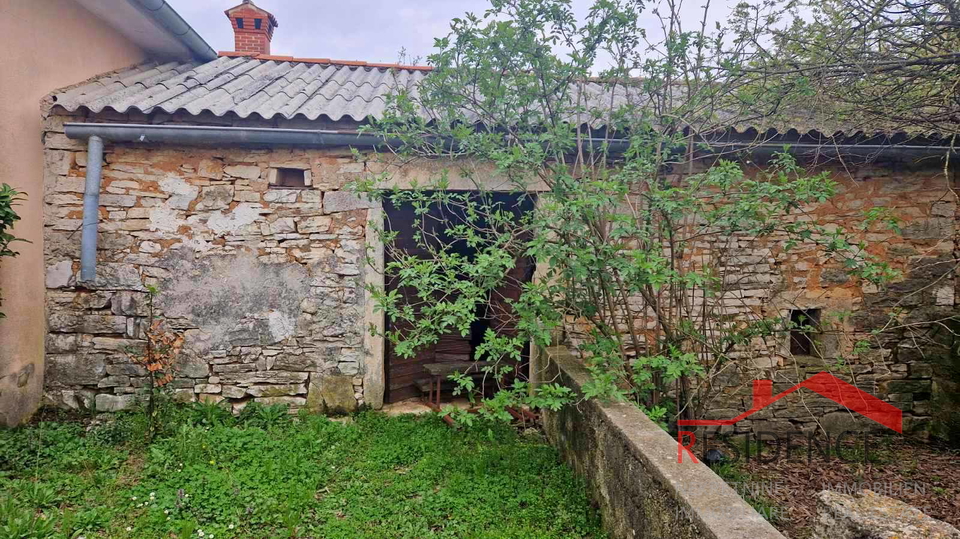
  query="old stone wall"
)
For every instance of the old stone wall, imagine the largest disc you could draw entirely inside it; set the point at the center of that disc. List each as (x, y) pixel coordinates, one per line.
(264, 282)
(631, 470)
(900, 324)
(267, 283)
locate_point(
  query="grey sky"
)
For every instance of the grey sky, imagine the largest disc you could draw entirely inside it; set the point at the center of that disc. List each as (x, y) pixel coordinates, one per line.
(368, 30)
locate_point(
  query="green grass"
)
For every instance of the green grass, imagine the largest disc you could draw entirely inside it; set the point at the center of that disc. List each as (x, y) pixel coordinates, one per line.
(266, 475)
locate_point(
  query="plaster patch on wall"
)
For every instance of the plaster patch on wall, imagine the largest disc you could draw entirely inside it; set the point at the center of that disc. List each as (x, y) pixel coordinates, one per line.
(196, 244)
(181, 192)
(243, 215)
(60, 275)
(234, 300)
(164, 218)
(281, 326)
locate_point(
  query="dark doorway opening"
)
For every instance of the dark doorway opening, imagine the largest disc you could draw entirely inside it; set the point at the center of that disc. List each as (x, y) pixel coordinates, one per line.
(405, 376)
(805, 326)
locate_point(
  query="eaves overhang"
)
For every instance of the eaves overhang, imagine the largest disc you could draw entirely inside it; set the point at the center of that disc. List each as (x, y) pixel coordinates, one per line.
(154, 26)
(274, 137)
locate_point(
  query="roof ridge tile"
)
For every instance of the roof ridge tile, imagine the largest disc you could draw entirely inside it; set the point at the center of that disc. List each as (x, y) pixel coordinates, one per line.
(351, 63)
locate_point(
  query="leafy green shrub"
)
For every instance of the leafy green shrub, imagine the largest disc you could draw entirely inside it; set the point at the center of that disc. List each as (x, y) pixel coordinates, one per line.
(211, 414)
(630, 227)
(264, 416)
(9, 197)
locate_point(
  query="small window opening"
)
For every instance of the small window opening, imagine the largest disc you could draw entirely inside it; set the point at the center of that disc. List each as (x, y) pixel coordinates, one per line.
(804, 328)
(291, 177)
(239, 22)
(257, 23)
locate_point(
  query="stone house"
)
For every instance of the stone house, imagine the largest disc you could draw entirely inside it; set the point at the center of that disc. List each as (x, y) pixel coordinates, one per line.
(224, 184)
(40, 52)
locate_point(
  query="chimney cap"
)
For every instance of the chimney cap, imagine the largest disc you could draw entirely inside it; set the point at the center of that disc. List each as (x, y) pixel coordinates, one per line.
(248, 4)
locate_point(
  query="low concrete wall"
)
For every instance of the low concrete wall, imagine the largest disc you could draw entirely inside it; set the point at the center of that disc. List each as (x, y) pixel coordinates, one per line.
(631, 469)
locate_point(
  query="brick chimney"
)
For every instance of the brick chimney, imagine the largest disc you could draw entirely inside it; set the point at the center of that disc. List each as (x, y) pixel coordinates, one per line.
(252, 28)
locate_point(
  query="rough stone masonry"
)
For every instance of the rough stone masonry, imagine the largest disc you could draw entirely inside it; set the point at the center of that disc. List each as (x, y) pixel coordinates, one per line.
(906, 324)
(264, 282)
(267, 283)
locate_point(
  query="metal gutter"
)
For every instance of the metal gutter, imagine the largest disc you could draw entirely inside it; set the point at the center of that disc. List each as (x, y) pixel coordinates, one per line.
(211, 135)
(172, 22)
(189, 134)
(833, 150)
(826, 149)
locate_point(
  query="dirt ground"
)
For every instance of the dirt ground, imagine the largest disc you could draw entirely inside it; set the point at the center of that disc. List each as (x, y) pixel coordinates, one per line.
(923, 474)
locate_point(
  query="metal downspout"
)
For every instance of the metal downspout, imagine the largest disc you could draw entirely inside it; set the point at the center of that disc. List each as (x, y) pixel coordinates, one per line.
(91, 210)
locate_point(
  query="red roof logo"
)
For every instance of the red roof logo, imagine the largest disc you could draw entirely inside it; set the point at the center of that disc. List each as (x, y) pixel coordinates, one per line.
(825, 384)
